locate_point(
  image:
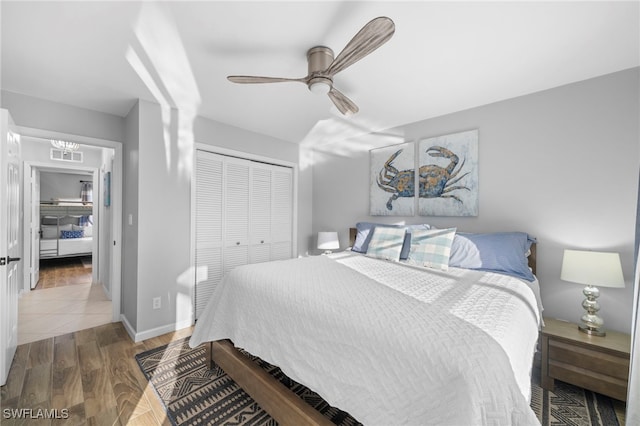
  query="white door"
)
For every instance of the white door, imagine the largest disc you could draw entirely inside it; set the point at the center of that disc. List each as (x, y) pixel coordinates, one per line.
(282, 213)
(260, 213)
(209, 226)
(35, 228)
(9, 241)
(236, 213)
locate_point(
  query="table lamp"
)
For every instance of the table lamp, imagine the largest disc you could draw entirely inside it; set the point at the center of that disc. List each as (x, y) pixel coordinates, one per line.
(328, 241)
(591, 268)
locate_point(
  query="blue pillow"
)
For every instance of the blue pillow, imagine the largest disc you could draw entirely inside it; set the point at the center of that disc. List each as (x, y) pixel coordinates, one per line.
(363, 236)
(502, 252)
(71, 234)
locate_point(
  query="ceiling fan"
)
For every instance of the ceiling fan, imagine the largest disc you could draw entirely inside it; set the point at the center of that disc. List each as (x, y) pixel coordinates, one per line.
(323, 66)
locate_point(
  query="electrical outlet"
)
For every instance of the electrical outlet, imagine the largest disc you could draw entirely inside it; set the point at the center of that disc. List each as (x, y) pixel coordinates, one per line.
(157, 303)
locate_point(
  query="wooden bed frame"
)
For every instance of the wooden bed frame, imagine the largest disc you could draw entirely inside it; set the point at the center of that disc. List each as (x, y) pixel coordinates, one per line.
(276, 399)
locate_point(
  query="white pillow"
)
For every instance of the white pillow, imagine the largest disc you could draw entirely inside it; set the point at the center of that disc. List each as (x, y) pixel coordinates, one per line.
(87, 230)
(431, 248)
(49, 231)
(386, 243)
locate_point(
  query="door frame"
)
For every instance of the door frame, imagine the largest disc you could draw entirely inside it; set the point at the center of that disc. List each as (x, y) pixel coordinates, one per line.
(28, 206)
(31, 233)
(115, 274)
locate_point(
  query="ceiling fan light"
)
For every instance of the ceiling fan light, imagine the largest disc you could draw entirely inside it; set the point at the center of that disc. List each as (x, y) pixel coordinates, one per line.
(320, 88)
(64, 145)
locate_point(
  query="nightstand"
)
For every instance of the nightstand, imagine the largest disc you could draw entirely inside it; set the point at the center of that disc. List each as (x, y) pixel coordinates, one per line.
(600, 364)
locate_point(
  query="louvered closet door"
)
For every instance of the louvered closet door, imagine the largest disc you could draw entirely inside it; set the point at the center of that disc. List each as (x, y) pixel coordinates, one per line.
(281, 213)
(236, 224)
(209, 221)
(244, 214)
(260, 214)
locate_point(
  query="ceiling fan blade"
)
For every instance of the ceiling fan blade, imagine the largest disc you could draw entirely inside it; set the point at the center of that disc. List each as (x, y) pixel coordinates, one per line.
(368, 39)
(344, 104)
(248, 79)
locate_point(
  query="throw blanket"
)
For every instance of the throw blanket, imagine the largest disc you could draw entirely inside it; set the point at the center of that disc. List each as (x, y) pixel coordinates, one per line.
(386, 342)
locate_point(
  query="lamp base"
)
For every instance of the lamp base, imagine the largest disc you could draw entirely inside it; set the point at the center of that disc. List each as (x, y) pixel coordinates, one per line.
(591, 331)
(591, 322)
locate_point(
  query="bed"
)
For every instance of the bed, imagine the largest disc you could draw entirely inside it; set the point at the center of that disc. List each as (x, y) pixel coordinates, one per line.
(66, 230)
(390, 342)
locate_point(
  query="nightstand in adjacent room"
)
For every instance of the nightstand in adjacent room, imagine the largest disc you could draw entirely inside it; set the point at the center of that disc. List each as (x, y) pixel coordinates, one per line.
(600, 364)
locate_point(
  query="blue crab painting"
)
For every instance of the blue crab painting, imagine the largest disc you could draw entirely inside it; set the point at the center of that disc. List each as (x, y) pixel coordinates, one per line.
(434, 181)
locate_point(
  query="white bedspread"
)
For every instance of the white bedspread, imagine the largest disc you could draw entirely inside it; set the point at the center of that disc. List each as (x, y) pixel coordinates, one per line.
(389, 343)
(69, 246)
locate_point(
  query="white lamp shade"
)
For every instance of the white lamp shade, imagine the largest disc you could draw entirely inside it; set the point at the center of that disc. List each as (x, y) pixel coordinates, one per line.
(601, 269)
(328, 241)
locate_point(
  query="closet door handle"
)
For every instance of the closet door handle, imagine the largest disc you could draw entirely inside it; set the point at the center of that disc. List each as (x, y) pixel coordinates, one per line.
(238, 243)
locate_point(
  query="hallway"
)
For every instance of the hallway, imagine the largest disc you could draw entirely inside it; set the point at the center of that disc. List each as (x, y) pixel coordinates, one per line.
(64, 301)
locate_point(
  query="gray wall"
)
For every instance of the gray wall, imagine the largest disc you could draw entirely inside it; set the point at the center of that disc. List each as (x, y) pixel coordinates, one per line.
(130, 208)
(164, 205)
(38, 113)
(61, 185)
(561, 164)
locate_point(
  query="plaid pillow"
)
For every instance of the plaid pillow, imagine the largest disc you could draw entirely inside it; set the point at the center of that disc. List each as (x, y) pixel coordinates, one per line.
(431, 248)
(386, 243)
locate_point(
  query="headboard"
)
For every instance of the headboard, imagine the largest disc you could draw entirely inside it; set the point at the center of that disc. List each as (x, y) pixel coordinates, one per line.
(532, 257)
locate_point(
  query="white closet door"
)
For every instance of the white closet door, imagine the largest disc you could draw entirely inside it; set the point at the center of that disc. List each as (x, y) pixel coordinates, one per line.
(260, 214)
(209, 220)
(281, 213)
(236, 206)
(244, 214)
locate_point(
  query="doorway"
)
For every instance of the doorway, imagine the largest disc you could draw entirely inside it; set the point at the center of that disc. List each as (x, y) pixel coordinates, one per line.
(79, 275)
(62, 211)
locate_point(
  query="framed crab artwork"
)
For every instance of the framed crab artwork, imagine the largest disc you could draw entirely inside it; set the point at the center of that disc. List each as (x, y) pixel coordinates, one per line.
(448, 175)
(392, 180)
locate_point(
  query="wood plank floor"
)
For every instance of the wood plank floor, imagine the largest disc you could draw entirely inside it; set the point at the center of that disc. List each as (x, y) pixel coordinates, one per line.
(90, 373)
(62, 272)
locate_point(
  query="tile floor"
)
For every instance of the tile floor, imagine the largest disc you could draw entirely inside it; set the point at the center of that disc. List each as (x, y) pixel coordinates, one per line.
(64, 301)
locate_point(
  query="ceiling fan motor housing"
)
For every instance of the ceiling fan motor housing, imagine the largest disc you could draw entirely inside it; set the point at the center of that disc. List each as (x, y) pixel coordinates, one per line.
(319, 58)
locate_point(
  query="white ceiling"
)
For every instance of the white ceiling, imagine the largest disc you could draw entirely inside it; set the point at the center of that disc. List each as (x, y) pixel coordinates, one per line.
(444, 56)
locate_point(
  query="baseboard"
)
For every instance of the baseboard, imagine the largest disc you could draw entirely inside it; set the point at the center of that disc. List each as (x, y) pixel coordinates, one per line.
(154, 332)
(106, 291)
(127, 326)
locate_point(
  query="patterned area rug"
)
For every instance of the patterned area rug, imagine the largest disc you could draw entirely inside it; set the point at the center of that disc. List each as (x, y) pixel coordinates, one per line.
(193, 394)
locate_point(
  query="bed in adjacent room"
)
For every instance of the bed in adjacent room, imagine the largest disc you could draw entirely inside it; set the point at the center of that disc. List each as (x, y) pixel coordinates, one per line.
(437, 327)
(66, 229)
